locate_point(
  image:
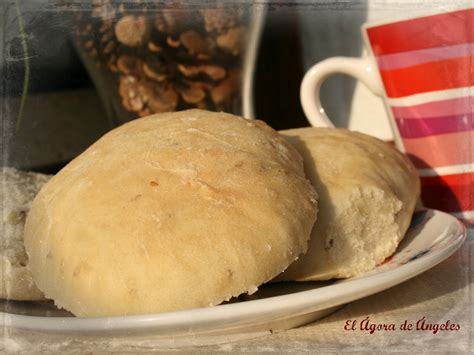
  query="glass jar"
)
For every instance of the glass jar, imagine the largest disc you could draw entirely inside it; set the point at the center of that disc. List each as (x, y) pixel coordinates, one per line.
(146, 58)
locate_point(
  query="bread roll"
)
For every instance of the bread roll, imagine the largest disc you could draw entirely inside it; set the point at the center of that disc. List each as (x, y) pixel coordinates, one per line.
(16, 194)
(170, 212)
(367, 193)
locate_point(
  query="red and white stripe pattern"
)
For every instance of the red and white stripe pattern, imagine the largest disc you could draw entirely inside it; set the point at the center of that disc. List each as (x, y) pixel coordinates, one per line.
(427, 67)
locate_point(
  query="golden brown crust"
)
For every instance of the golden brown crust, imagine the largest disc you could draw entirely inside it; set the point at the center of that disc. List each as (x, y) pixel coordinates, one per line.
(170, 212)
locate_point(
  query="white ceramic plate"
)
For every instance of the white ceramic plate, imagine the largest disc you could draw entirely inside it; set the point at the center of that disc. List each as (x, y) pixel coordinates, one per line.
(433, 236)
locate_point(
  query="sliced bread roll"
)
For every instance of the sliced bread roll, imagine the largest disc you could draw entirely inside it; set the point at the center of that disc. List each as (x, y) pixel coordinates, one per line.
(367, 193)
(170, 212)
(16, 194)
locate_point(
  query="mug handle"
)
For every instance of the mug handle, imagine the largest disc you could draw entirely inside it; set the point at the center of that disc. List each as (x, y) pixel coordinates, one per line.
(361, 68)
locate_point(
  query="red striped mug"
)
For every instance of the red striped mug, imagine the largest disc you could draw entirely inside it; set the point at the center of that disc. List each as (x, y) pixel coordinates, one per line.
(423, 69)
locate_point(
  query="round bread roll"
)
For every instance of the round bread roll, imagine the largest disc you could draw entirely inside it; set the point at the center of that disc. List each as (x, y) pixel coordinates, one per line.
(170, 212)
(16, 194)
(367, 194)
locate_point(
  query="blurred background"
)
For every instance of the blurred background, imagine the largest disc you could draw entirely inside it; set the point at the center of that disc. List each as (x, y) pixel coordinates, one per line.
(73, 70)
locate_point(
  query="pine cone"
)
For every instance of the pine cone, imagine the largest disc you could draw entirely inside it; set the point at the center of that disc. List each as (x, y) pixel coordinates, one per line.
(167, 57)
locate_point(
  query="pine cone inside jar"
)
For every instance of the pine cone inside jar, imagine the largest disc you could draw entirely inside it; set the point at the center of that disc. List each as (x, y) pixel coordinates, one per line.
(167, 57)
